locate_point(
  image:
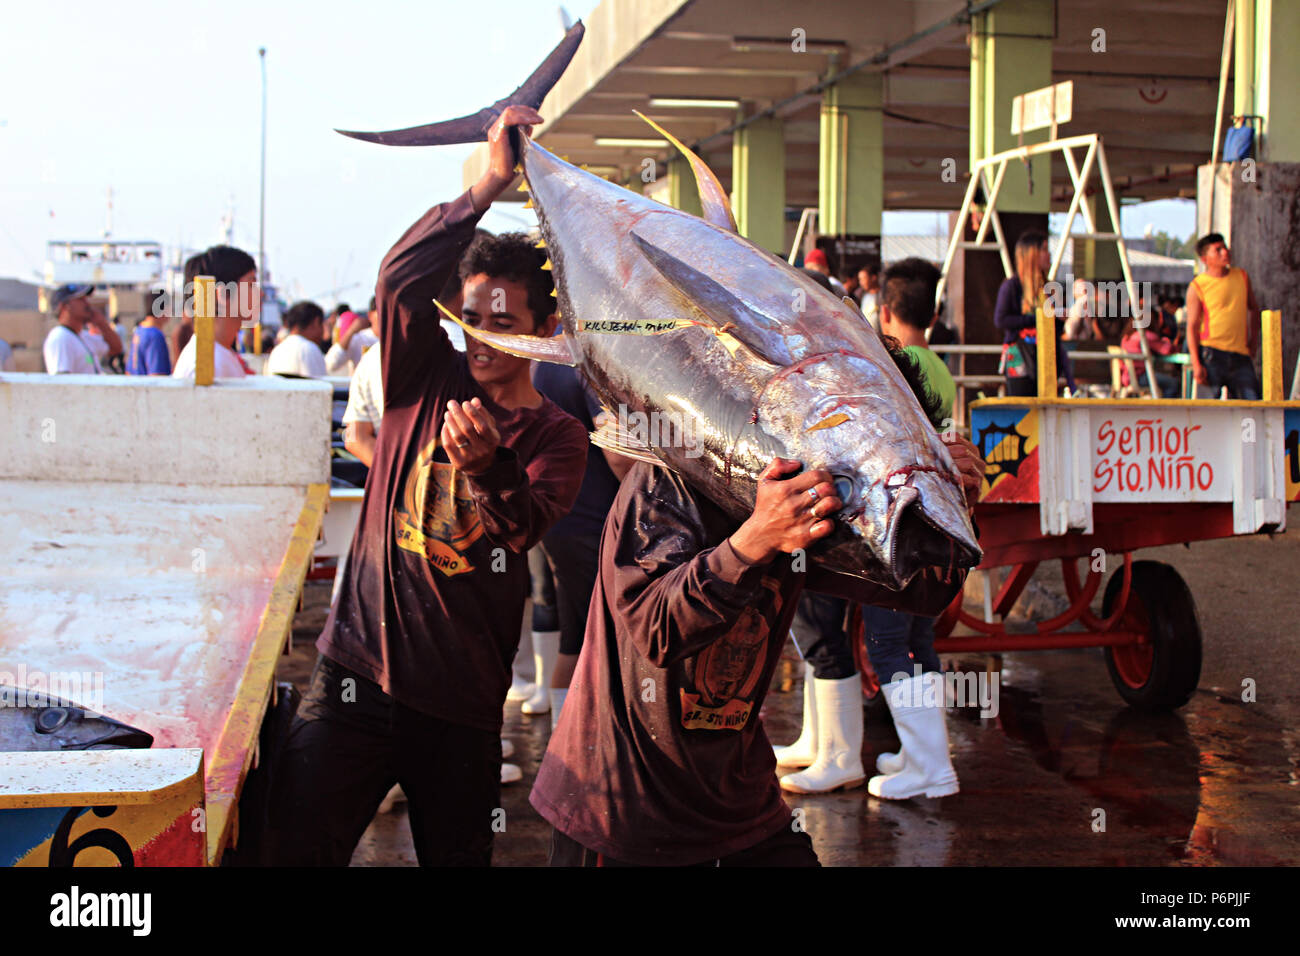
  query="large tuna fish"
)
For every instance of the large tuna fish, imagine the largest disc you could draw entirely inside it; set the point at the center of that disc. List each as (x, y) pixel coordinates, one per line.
(715, 357)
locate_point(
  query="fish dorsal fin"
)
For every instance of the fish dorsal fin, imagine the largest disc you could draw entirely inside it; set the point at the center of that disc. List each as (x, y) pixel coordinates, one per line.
(611, 435)
(557, 349)
(717, 208)
(726, 313)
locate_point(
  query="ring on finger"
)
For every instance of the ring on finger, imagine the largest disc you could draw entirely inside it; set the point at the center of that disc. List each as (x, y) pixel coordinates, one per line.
(462, 443)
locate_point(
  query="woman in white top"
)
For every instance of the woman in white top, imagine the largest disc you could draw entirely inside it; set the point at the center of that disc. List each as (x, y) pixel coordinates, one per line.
(238, 299)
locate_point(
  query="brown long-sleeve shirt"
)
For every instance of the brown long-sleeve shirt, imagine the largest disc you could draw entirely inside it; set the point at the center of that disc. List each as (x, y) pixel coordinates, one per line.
(659, 757)
(431, 600)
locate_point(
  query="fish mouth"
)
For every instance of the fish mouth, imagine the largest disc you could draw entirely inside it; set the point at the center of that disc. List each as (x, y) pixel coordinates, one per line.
(924, 532)
(32, 720)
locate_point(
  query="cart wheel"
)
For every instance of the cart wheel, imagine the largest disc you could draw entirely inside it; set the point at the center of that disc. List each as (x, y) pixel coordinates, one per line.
(1161, 674)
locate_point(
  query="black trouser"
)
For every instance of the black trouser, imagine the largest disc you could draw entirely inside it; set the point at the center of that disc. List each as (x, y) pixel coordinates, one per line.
(786, 847)
(349, 744)
(820, 638)
(1026, 386)
(573, 561)
(1232, 369)
(546, 616)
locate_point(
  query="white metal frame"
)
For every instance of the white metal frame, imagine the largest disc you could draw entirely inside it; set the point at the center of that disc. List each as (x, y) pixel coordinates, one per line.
(996, 166)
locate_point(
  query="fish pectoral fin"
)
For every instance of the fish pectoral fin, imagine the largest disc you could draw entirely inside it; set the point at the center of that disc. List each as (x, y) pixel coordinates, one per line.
(726, 314)
(610, 434)
(557, 349)
(717, 208)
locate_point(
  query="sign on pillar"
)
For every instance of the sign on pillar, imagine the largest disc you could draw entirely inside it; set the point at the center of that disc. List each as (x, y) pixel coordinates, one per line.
(1039, 109)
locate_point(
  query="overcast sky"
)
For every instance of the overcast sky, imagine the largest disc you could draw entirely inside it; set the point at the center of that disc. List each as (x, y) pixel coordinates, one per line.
(162, 102)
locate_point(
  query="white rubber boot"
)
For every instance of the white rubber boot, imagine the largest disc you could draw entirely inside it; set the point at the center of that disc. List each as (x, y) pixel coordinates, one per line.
(520, 689)
(557, 704)
(803, 751)
(888, 763)
(522, 685)
(510, 773)
(917, 706)
(839, 740)
(546, 648)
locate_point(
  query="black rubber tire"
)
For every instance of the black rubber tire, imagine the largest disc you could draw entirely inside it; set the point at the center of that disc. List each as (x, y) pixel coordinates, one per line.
(1159, 593)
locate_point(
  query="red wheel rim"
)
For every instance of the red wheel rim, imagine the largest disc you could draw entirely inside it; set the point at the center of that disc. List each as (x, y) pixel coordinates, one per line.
(1133, 661)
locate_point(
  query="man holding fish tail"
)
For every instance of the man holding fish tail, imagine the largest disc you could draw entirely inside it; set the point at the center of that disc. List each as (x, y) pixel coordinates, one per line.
(471, 468)
(662, 759)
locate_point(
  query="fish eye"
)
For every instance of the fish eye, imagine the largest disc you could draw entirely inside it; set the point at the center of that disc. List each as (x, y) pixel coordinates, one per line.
(51, 719)
(843, 487)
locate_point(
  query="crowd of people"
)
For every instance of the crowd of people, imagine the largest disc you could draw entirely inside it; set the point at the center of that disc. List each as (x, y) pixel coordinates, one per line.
(483, 490)
(1217, 327)
(308, 344)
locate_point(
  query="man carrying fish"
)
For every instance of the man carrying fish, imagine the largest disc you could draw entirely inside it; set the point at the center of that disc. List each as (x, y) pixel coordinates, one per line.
(661, 758)
(471, 468)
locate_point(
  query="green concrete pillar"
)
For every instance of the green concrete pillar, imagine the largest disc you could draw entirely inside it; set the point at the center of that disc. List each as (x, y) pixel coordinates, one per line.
(758, 183)
(1267, 74)
(1011, 53)
(683, 193)
(851, 171)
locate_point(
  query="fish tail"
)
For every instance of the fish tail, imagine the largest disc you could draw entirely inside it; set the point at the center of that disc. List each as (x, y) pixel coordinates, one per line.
(474, 127)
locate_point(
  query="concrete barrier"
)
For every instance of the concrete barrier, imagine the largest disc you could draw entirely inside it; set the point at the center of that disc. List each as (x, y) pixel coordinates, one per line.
(91, 428)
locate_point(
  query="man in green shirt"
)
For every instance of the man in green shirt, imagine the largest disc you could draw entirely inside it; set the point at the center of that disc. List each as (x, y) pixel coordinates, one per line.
(923, 765)
(831, 741)
(906, 311)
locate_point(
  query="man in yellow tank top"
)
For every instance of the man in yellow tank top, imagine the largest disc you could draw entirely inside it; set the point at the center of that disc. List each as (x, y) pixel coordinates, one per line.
(1222, 318)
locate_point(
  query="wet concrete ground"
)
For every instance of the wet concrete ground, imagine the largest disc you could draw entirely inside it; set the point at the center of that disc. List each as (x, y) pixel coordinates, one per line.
(1217, 782)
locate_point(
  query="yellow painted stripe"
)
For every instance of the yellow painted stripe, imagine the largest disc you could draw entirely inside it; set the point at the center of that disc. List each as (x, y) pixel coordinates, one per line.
(233, 755)
(1046, 357)
(204, 336)
(1272, 359)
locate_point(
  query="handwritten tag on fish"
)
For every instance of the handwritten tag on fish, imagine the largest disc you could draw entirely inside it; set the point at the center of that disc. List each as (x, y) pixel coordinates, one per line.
(633, 326)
